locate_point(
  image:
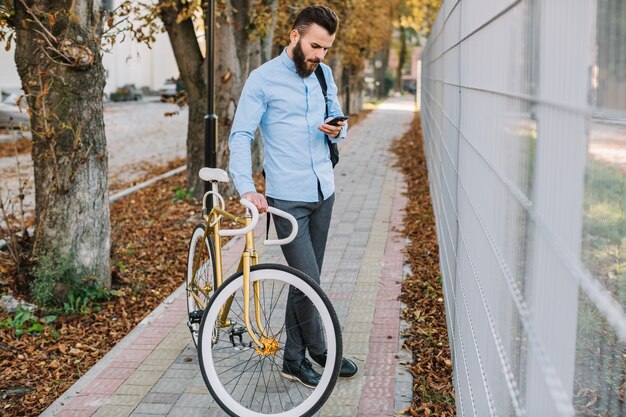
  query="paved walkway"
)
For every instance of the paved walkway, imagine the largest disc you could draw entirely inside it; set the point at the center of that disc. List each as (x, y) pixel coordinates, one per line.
(154, 370)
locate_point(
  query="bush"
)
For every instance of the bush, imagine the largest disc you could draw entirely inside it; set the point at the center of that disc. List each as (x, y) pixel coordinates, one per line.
(56, 284)
(53, 279)
(86, 299)
(24, 317)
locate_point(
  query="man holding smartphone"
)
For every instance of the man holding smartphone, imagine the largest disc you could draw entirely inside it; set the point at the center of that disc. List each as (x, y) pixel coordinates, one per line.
(284, 99)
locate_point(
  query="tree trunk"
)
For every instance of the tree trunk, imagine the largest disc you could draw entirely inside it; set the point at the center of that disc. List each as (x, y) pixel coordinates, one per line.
(235, 55)
(357, 85)
(192, 68)
(267, 41)
(401, 58)
(63, 79)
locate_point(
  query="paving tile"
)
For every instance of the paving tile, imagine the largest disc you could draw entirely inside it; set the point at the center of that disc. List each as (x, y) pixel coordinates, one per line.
(180, 363)
(382, 348)
(404, 389)
(194, 412)
(196, 389)
(129, 389)
(122, 363)
(102, 386)
(116, 373)
(176, 344)
(380, 369)
(134, 414)
(170, 385)
(161, 398)
(181, 373)
(162, 354)
(195, 400)
(146, 342)
(76, 413)
(154, 408)
(114, 411)
(86, 401)
(339, 411)
(124, 399)
(377, 404)
(362, 275)
(144, 377)
(157, 366)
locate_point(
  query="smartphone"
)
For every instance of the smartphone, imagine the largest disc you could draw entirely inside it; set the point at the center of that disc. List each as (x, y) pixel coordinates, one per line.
(336, 120)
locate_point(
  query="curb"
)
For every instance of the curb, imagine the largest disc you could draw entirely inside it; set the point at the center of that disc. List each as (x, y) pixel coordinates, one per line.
(123, 193)
(113, 354)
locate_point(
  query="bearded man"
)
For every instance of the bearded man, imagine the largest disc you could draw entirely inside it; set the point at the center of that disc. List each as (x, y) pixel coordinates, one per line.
(285, 100)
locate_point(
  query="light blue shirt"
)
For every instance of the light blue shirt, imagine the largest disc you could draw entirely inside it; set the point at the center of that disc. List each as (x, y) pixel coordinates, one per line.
(288, 109)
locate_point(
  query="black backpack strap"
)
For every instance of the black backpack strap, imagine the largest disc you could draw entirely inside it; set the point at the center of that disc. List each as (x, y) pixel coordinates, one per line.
(319, 73)
(332, 147)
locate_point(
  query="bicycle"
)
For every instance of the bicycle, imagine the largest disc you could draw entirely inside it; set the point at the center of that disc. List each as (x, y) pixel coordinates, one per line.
(240, 356)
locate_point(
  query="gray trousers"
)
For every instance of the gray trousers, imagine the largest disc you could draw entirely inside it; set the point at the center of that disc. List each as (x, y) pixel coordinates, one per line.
(305, 253)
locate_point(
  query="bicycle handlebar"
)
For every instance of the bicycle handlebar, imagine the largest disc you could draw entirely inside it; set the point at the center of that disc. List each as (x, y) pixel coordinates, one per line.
(255, 219)
(294, 228)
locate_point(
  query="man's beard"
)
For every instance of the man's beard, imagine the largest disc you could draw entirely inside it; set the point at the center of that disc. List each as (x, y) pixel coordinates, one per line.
(301, 62)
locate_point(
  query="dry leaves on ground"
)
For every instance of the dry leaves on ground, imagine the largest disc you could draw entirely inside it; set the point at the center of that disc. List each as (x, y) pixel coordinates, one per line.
(11, 148)
(150, 233)
(433, 393)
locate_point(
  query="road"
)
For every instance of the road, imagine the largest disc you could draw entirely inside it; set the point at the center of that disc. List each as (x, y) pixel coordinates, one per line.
(607, 143)
(139, 134)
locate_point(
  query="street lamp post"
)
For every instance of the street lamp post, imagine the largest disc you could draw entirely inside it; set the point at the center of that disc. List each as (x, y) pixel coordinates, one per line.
(211, 119)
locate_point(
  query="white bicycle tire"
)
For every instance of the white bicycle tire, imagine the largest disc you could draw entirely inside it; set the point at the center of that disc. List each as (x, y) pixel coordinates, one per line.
(289, 276)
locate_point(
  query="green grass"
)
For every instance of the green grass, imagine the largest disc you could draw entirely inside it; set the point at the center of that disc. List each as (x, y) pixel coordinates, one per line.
(604, 254)
(24, 320)
(604, 224)
(372, 104)
(183, 193)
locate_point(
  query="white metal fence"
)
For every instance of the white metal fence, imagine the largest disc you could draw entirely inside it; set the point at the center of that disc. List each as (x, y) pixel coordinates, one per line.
(524, 117)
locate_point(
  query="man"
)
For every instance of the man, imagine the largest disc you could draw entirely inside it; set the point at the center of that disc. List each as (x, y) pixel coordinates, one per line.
(284, 98)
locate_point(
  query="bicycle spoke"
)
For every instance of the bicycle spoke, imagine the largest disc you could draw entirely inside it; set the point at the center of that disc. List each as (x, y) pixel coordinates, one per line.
(249, 381)
(241, 374)
(274, 364)
(257, 384)
(243, 378)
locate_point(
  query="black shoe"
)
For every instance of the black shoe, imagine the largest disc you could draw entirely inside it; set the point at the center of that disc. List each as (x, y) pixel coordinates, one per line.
(348, 367)
(301, 371)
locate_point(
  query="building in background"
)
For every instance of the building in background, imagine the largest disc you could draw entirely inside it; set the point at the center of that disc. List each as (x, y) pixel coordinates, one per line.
(128, 63)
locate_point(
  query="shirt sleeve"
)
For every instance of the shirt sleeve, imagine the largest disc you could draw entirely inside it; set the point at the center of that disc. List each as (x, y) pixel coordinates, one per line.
(250, 109)
(334, 109)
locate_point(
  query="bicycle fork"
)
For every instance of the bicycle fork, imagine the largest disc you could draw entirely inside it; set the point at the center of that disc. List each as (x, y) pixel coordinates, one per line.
(265, 345)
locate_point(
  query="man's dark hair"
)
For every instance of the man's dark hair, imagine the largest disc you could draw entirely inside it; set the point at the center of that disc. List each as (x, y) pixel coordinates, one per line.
(320, 15)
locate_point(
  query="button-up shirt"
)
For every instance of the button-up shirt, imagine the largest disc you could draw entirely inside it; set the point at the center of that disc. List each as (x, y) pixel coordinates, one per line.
(288, 109)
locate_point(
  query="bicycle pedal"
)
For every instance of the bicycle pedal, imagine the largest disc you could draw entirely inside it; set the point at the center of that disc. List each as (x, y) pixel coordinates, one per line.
(236, 332)
(195, 317)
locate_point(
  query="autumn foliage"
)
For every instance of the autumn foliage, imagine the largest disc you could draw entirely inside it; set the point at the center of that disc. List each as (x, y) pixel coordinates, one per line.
(427, 338)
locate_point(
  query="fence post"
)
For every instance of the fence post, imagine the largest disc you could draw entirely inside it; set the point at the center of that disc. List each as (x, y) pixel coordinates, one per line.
(566, 33)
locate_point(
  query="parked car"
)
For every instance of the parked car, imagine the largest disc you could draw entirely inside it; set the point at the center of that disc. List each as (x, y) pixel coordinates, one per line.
(127, 92)
(410, 86)
(12, 115)
(168, 90)
(172, 90)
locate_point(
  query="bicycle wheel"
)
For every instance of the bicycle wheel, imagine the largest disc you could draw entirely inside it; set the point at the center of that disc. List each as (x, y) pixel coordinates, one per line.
(246, 382)
(202, 282)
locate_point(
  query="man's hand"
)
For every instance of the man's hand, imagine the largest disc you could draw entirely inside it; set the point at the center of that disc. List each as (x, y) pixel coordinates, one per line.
(330, 130)
(257, 199)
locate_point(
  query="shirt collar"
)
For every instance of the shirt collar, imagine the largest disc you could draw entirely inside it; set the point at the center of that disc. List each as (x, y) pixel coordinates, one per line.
(288, 62)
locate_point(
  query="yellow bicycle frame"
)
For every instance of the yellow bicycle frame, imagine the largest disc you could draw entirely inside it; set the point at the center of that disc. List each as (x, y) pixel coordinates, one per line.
(249, 257)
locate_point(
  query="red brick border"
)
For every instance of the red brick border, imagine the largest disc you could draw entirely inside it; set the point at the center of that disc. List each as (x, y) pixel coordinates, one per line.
(377, 394)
